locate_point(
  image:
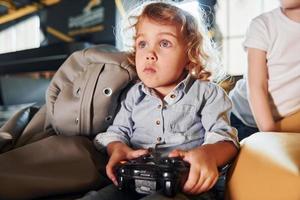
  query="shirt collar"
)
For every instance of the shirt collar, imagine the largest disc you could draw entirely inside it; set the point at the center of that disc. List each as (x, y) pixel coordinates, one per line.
(180, 89)
(185, 84)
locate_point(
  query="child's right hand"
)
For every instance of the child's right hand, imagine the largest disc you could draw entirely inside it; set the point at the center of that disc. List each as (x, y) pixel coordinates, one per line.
(119, 151)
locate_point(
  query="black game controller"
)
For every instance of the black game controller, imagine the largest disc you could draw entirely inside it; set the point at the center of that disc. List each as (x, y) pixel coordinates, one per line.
(148, 174)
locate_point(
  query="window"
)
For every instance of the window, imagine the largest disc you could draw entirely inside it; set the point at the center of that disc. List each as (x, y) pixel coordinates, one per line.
(233, 18)
(24, 35)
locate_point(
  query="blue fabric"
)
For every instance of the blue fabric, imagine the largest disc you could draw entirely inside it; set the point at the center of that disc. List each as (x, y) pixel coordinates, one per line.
(193, 114)
(243, 130)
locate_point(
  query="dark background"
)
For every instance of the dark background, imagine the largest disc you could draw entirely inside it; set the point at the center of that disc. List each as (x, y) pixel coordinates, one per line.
(57, 17)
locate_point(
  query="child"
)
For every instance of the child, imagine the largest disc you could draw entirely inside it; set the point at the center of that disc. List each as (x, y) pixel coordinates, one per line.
(188, 117)
(273, 46)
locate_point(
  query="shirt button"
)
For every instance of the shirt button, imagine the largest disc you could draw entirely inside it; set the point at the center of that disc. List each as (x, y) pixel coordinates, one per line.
(77, 120)
(159, 106)
(157, 122)
(158, 139)
(173, 96)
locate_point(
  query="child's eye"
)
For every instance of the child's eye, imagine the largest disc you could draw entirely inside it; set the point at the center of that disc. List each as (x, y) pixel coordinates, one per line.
(141, 44)
(165, 44)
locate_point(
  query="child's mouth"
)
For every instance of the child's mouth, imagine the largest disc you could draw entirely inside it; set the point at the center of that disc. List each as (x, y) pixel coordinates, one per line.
(149, 70)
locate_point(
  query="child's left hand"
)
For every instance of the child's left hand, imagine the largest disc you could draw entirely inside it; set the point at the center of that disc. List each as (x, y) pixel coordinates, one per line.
(203, 169)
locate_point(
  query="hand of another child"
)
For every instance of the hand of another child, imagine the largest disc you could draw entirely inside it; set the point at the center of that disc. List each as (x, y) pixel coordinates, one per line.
(120, 152)
(203, 170)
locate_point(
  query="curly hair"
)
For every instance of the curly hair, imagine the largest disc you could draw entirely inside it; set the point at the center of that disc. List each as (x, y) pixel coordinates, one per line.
(167, 13)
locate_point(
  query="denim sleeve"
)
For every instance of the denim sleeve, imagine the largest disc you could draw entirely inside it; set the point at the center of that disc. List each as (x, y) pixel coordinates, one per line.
(215, 116)
(122, 127)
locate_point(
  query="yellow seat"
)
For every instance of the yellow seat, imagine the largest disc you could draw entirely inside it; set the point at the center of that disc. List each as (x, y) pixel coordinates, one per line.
(266, 168)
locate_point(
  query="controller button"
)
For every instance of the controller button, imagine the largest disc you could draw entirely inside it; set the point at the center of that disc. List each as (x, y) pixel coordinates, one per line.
(173, 160)
(166, 175)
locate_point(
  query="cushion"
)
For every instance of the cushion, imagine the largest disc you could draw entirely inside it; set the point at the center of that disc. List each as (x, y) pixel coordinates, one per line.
(267, 167)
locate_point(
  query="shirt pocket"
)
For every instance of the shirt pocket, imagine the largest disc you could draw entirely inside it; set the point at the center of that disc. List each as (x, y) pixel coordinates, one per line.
(182, 118)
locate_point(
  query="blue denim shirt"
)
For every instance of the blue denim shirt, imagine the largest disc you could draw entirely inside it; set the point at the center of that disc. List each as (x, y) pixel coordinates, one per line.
(193, 114)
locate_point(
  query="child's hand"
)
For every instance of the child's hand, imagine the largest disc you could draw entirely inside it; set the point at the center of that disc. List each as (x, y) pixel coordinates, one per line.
(119, 151)
(203, 170)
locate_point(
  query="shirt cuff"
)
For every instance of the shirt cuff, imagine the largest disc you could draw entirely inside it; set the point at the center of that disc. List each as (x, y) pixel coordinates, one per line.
(213, 137)
(103, 139)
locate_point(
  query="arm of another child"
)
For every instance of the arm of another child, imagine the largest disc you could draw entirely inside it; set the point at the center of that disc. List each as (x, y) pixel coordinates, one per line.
(205, 161)
(258, 90)
(259, 100)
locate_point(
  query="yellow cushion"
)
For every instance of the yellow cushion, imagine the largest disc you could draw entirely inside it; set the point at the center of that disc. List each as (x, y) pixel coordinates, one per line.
(267, 168)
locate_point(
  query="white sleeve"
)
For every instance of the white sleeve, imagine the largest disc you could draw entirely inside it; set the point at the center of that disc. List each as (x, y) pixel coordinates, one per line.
(257, 35)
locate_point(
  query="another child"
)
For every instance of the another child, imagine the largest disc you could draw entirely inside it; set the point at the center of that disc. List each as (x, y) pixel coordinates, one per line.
(273, 46)
(173, 105)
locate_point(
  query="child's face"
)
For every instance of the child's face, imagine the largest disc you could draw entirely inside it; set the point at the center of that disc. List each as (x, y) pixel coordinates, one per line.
(160, 55)
(290, 4)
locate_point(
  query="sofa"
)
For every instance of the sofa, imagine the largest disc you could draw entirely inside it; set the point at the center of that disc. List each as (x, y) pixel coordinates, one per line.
(40, 160)
(14, 94)
(20, 72)
(267, 166)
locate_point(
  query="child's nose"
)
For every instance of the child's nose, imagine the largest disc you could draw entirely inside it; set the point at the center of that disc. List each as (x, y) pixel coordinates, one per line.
(151, 56)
